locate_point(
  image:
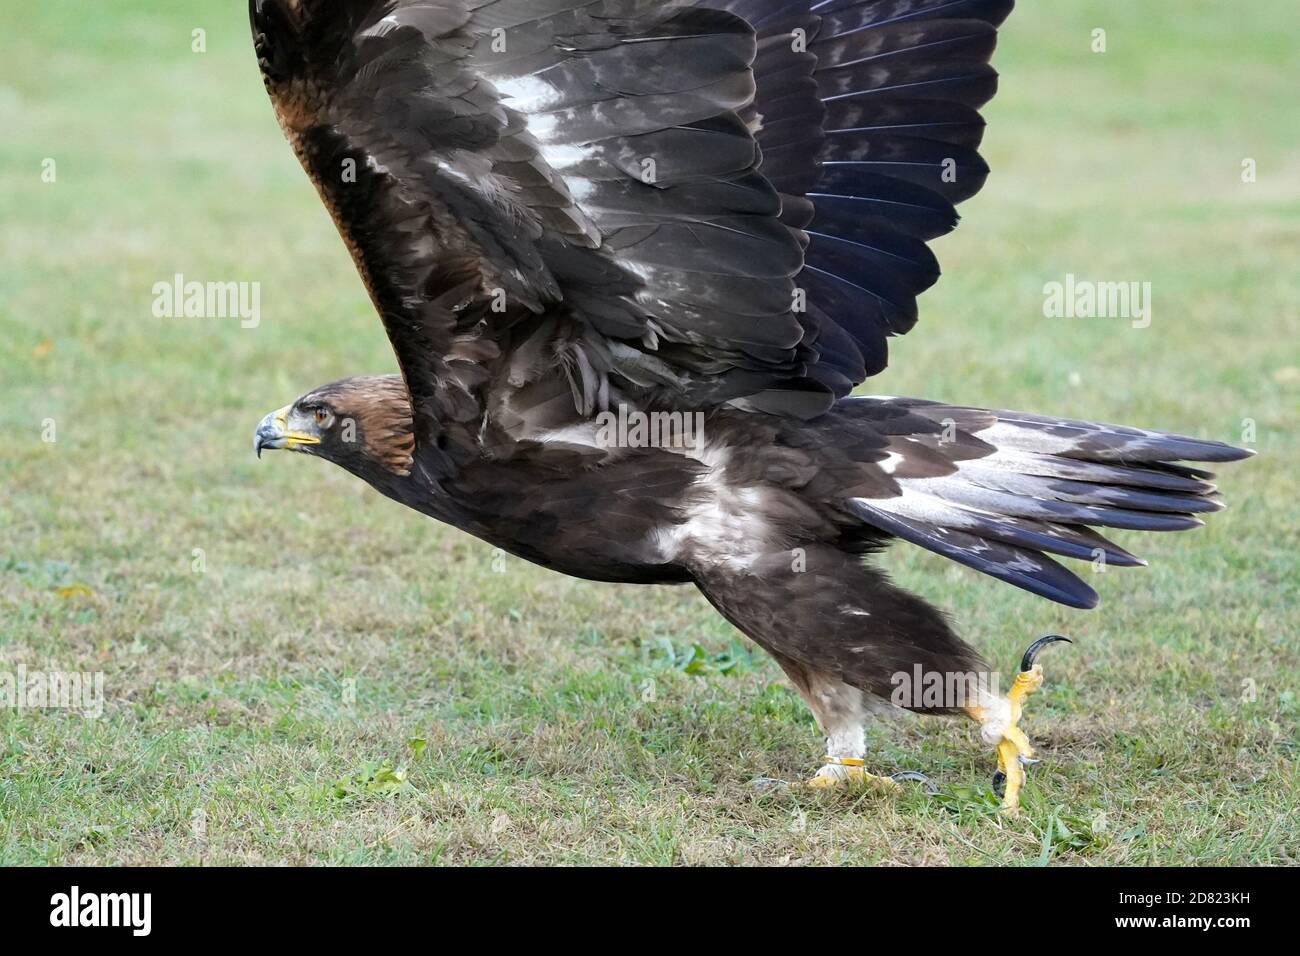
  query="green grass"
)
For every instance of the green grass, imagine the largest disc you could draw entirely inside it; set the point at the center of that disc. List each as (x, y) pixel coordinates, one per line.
(259, 711)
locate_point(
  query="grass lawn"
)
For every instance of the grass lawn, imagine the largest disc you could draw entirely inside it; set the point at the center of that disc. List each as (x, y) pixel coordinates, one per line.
(296, 671)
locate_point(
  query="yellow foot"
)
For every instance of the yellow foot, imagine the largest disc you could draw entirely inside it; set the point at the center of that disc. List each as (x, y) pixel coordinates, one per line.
(842, 771)
(1015, 753)
(848, 771)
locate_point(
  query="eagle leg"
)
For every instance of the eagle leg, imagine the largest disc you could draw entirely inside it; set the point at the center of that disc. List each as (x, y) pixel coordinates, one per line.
(843, 634)
(841, 711)
(1014, 750)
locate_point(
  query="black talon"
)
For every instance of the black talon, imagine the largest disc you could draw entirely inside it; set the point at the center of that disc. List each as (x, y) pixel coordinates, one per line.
(1031, 655)
(999, 784)
(930, 786)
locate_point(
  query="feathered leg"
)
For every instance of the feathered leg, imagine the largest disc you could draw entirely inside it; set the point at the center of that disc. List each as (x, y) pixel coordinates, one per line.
(848, 639)
(841, 711)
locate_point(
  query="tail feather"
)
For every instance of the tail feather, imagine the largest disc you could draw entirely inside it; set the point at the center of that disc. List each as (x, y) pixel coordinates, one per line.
(1045, 500)
(1086, 441)
(1070, 541)
(1039, 489)
(1161, 476)
(1031, 570)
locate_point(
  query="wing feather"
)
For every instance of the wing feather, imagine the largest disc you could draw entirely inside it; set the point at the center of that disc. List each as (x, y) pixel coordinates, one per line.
(735, 194)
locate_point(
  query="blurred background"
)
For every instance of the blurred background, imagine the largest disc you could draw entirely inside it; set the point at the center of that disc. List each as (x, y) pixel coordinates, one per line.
(298, 671)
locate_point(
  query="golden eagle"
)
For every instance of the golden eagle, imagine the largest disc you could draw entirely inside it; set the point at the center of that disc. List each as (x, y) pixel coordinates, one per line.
(633, 257)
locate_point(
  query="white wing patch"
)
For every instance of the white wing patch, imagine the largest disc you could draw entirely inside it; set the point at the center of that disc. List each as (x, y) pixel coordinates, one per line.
(528, 94)
(724, 527)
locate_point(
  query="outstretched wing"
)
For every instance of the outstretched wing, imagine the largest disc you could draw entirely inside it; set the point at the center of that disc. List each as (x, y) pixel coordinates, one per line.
(871, 136)
(562, 204)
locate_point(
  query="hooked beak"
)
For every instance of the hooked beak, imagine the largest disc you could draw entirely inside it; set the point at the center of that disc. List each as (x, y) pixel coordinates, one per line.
(274, 433)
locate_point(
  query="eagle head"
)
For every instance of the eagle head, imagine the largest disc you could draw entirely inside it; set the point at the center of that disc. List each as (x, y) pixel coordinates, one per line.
(361, 424)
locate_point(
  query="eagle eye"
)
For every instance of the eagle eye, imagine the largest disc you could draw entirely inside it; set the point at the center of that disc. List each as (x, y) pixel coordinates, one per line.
(321, 416)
